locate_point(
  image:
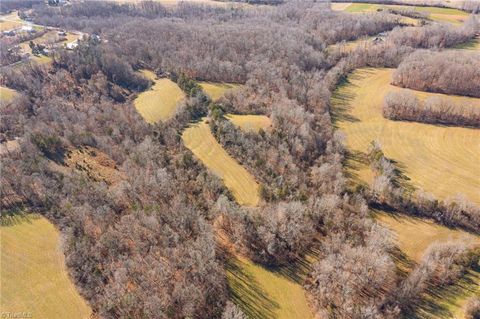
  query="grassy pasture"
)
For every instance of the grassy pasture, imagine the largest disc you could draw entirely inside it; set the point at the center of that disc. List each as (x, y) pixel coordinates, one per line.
(33, 274)
(450, 15)
(442, 160)
(250, 123)
(413, 236)
(217, 90)
(266, 293)
(199, 139)
(158, 103)
(7, 94)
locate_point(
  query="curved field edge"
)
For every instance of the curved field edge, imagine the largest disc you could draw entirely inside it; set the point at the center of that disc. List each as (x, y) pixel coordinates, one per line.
(439, 159)
(264, 293)
(33, 277)
(7, 94)
(250, 123)
(450, 15)
(160, 102)
(216, 90)
(199, 139)
(413, 236)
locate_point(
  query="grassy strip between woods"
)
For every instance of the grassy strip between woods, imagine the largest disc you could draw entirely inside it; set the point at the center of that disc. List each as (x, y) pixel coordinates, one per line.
(250, 123)
(200, 140)
(449, 15)
(413, 236)
(7, 94)
(264, 293)
(441, 160)
(159, 103)
(217, 90)
(33, 274)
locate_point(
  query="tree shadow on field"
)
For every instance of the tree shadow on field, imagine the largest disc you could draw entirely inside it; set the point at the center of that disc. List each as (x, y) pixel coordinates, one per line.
(341, 103)
(298, 269)
(16, 216)
(246, 292)
(438, 301)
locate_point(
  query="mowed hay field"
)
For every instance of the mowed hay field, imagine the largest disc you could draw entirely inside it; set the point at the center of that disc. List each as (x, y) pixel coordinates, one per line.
(441, 160)
(217, 90)
(33, 274)
(413, 236)
(159, 103)
(450, 15)
(199, 139)
(263, 293)
(250, 123)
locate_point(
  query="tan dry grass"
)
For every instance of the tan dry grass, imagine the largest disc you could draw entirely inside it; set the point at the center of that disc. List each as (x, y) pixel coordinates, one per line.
(199, 139)
(439, 159)
(33, 276)
(7, 94)
(159, 103)
(217, 90)
(250, 123)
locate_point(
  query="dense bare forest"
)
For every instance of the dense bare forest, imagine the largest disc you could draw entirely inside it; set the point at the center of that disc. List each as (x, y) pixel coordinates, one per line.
(144, 245)
(434, 110)
(448, 72)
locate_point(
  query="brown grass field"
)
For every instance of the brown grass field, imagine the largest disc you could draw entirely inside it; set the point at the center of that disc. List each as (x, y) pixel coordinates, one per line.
(217, 90)
(413, 236)
(33, 274)
(199, 139)
(439, 159)
(449, 15)
(250, 123)
(7, 94)
(160, 102)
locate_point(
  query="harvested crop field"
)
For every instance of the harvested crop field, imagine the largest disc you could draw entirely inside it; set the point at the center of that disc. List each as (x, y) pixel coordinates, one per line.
(199, 139)
(439, 159)
(159, 103)
(250, 123)
(217, 90)
(33, 274)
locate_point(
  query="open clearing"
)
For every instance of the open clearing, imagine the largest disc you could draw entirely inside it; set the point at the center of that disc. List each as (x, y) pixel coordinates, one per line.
(450, 15)
(217, 90)
(439, 159)
(264, 293)
(159, 103)
(33, 274)
(199, 139)
(413, 236)
(7, 94)
(250, 123)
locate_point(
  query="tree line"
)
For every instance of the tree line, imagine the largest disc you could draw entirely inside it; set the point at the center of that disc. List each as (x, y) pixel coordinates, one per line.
(449, 72)
(405, 106)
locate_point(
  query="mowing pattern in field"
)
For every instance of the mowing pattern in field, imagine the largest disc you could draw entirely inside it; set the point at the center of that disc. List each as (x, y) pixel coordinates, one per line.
(441, 160)
(250, 123)
(414, 236)
(217, 90)
(450, 15)
(33, 275)
(199, 139)
(158, 103)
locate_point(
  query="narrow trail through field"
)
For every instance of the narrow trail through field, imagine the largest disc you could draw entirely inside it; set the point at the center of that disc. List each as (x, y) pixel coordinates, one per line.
(33, 275)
